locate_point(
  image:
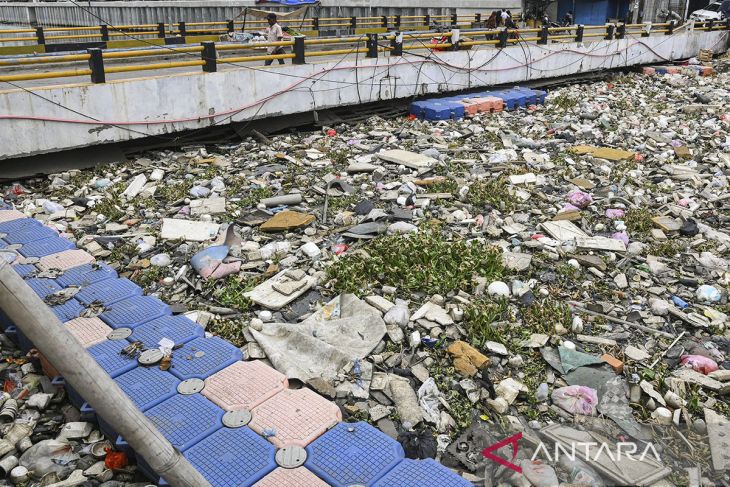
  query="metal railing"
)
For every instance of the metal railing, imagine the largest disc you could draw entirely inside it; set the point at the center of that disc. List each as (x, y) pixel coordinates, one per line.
(371, 44)
(106, 33)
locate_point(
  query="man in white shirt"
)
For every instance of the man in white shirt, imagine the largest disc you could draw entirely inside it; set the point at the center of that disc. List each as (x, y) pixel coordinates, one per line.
(274, 34)
(504, 16)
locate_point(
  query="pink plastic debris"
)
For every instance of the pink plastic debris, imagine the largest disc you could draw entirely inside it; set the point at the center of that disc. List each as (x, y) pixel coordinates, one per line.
(300, 476)
(576, 399)
(614, 213)
(579, 199)
(699, 363)
(623, 236)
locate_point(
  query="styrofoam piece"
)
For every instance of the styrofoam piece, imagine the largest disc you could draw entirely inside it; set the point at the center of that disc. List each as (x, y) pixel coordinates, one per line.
(295, 416)
(134, 311)
(353, 453)
(85, 275)
(301, 477)
(179, 329)
(108, 354)
(88, 331)
(47, 246)
(10, 215)
(244, 385)
(415, 473)
(148, 386)
(65, 260)
(203, 357)
(185, 420)
(233, 457)
(108, 291)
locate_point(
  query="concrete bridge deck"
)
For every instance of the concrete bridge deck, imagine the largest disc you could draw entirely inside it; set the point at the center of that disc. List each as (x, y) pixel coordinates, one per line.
(73, 115)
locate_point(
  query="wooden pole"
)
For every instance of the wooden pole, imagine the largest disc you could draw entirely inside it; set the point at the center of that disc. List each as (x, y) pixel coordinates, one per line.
(78, 368)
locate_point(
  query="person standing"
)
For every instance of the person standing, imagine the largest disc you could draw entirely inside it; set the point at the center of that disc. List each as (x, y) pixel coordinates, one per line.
(504, 16)
(274, 34)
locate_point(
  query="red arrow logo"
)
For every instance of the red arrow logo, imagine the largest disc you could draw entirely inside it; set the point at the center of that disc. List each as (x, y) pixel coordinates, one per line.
(512, 440)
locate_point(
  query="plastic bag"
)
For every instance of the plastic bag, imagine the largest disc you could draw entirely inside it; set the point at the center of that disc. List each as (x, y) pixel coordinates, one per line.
(428, 399)
(50, 456)
(576, 399)
(538, 473)
(699, 363)
(579, 199)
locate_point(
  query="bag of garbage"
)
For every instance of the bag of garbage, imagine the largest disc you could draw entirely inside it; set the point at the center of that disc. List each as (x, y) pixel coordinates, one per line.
(699, 363)
(50, 456)
(576, 399)
(418, 444)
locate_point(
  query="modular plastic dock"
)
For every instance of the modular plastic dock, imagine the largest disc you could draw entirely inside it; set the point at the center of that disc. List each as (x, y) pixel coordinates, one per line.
(236, 421)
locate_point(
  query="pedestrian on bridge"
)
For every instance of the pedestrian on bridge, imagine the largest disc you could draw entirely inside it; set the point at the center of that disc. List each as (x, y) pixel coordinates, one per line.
(274, 34)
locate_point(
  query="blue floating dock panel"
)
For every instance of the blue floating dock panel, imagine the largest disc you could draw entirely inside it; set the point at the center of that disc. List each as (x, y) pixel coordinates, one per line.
(18, 225)
(179, 329)
(148, 386)
(417, 473)
(109, 356)
(203, 357)
(443, 110)
(69, 310)
(232, 457)
(134, 311)
(43, 286)
(30, 233)
(353, 453)
(186, 419)
(47, 246)
(25, 270)
(109, 291)
(86, 274)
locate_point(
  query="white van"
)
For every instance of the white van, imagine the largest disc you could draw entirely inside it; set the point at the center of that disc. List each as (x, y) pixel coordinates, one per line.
(711, 12)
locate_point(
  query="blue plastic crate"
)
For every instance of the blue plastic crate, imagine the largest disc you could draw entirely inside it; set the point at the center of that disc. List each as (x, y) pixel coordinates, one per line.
(418, 109)
(443, 110)
(179, 329)
(25, 270)
(203, 357)
(86, 274)
(69, 310)
(232, 457)
(134, 311)
(43, 286)
(353, 453)
(18, 225)
(108, 355)
(109, 291)
(47, 246)
(186, 419)
(30, 233)
(417, 473)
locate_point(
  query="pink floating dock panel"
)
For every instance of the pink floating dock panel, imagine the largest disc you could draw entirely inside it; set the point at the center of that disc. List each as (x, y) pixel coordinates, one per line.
(88, 331)
(297, 417)
(244, 385)
(648, 70)
(65, 260)
(10, 215)
(299, 477)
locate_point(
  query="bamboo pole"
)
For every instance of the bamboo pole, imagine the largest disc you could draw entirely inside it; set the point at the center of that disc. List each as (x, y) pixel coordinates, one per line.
(78, 368)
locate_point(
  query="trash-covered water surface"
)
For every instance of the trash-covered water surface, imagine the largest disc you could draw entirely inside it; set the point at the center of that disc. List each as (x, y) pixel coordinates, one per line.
(558, 272)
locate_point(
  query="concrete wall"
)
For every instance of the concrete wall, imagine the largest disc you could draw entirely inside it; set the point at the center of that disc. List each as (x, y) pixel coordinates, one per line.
(167, 104)
(153, 11)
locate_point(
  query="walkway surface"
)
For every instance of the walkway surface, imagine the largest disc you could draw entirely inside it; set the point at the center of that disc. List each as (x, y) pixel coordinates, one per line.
(236, 421)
